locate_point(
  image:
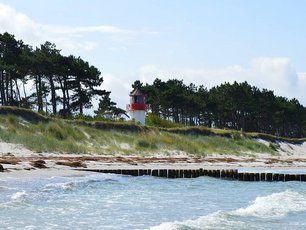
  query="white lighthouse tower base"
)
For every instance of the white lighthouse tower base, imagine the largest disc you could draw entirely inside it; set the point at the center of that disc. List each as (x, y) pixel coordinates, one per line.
(138, 116)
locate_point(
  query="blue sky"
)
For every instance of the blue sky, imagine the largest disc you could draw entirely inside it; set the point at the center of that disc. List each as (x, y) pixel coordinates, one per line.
(199, 41)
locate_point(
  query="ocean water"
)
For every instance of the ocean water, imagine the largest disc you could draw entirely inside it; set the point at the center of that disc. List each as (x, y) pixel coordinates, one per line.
(105, 201)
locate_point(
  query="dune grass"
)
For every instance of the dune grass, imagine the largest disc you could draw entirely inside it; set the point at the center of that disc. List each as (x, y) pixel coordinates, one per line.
(62, 136)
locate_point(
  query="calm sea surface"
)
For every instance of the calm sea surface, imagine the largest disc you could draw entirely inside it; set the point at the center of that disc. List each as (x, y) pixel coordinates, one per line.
(104, 201)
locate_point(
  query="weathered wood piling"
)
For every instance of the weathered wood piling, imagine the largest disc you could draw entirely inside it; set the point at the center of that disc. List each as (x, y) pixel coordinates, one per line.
(228, 174)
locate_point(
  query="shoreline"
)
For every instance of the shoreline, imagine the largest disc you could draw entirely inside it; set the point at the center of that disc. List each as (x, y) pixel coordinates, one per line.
(19, 161)
(72, 165)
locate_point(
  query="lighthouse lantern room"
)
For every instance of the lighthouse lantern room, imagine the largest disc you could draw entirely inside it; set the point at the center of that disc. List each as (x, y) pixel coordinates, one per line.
(137, 107)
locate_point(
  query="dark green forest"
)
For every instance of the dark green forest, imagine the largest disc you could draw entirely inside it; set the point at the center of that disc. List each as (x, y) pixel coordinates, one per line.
(65, 85)
(58, 84)
(237, 106)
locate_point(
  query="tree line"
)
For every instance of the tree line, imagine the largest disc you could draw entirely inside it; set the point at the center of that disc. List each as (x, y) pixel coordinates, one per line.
(238, 106)
(65, 84)
(59, 84)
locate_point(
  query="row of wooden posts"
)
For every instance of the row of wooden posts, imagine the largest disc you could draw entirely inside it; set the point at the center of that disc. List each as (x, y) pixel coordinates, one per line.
(230, 174)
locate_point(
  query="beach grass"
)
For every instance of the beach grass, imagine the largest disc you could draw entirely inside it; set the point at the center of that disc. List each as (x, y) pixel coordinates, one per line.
(68, 136)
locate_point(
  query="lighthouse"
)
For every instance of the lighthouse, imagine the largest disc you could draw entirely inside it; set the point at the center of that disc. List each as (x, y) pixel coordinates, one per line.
(137, 107)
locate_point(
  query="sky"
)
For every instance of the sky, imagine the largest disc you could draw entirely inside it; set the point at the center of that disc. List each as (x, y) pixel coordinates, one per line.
(205, 42)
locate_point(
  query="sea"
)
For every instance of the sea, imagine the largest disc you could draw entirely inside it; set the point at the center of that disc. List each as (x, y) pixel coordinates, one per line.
(107, 201)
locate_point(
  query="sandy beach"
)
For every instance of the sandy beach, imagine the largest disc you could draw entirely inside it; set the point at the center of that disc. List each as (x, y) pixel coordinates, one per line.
(17, 160)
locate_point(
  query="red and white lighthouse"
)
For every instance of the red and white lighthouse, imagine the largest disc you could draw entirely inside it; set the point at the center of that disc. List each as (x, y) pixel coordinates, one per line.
(137, 107)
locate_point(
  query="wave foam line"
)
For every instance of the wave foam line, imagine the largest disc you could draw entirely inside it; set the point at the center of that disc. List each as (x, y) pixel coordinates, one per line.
(275, 205)
(271, 206)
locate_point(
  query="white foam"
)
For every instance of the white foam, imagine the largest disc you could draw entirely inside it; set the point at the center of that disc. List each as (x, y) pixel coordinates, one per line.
(274, 205)
(61, 186)
(217, 220)
(18, 196)
(80, 181)
(166, 226)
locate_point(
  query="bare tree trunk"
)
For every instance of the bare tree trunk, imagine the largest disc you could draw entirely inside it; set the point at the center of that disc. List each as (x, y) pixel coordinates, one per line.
(18, 97)
(67, 94)
(2, 88)
(39, 93)
(64, 93)
(23, 86)
(53, 95)
(6, 88)
(11, 88)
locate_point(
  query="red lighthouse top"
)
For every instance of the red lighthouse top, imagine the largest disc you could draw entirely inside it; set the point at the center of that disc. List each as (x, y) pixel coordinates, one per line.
(137, 101)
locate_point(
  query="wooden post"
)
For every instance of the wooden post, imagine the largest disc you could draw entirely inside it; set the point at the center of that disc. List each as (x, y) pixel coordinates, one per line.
(240, 176)
(292, 177)
(275, 177)
(269, 176)
(181, 173)
(222, 173)
(171, 173)
(235, 174)
(201, 171)
(251, 177)
(298, 177)
(187, 173)
(154, 172)
(246, 176)
(287, 177)
(262, 176)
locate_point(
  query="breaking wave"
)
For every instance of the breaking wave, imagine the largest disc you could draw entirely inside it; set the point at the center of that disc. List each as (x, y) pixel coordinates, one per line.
(275, 205)
(60, 186)
(18, 196)
(81, 182)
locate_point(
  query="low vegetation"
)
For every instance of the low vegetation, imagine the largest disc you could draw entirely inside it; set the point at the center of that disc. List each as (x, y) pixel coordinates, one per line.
(77, 136)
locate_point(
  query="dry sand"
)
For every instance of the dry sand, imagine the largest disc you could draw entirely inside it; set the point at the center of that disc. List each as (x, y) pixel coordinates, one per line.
(19, 161)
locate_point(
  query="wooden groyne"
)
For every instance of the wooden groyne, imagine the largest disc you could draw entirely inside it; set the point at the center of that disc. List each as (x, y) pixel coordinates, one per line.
(229, 174)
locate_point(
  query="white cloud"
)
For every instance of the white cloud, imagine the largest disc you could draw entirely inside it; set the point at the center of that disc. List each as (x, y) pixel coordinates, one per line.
(118, 48)
(65, 37)
(301, 87)
(276, 73)
(90, 29)
(273, 73)
(119, 88)
(19, 24)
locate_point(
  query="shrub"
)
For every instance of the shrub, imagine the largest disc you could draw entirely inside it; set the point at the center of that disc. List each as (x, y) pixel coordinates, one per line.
(273, 146)
(145, 144)
(74, 132)
(154, 120)
(11, 119)
(56, 131)
(12, 129)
